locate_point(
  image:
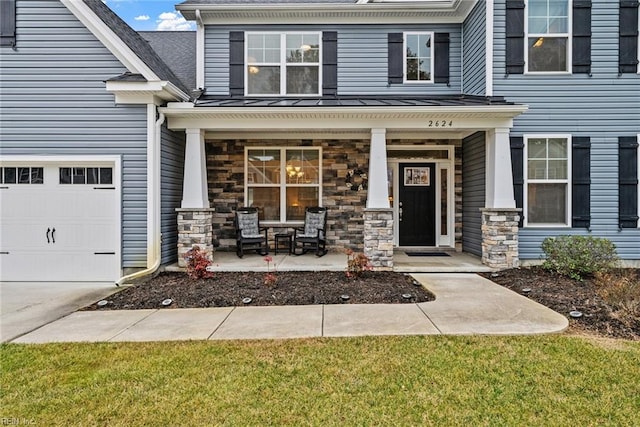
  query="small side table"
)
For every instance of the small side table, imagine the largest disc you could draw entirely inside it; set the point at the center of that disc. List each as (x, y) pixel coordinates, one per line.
(283, 241)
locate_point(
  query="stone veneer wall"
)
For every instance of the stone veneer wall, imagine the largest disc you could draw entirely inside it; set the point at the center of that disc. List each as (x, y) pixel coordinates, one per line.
(195, 228)
(500, 237)
(345, 222)
(378, 238)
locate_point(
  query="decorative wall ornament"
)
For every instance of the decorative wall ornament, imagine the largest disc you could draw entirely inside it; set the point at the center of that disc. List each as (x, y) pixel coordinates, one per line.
(356, 180)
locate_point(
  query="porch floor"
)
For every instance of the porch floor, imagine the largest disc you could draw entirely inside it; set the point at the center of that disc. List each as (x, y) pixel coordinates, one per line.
(337, 261)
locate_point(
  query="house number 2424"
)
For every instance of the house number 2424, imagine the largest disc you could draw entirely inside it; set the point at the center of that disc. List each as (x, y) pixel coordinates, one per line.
(440, 123)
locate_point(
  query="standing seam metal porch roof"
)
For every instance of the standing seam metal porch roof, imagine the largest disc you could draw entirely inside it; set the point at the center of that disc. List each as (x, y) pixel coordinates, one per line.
(354, 101)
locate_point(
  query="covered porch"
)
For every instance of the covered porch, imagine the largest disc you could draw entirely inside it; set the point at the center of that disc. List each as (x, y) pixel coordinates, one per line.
(369, 156)
(453, 262)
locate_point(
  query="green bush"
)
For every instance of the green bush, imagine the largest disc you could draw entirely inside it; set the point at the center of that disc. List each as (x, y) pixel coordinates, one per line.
(579, 256)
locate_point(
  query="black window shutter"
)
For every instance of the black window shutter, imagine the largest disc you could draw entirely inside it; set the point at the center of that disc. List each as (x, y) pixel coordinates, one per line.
(441, 55)
(515, 37)
(395, 57)
(581, 36)
(329, 63)
(517, 170)
(8, 23)
(628, 182)
(236, 63)
(581, 182)
(628, 39)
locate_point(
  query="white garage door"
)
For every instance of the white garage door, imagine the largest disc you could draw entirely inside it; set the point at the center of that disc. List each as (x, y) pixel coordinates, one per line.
(59, 222)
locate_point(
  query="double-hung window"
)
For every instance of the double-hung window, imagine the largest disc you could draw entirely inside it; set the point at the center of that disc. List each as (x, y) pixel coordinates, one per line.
(283, 63)
(418, 57)
(547, 189)
(548, 36)
(282, 182)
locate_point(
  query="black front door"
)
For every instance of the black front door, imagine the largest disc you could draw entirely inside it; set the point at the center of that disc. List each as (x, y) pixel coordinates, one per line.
(417, 204)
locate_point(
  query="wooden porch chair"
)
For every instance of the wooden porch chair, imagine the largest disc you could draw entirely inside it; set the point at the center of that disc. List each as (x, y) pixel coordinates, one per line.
(249, 234)
(313, 235)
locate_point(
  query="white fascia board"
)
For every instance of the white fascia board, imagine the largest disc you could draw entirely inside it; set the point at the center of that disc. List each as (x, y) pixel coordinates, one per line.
(156, 92)
(448, 11)
(109, 39)
(401, 118)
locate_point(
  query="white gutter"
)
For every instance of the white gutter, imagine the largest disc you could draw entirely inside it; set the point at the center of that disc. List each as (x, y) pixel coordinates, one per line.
(154, 236)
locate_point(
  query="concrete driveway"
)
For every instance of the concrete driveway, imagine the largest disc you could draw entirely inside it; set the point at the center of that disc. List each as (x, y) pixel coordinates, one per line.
(26, 306)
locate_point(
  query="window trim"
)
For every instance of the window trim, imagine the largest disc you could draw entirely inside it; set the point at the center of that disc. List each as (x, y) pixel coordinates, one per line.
(568, 35)
(282, 185)
(404, 57)
(282, 64)
(526, 181)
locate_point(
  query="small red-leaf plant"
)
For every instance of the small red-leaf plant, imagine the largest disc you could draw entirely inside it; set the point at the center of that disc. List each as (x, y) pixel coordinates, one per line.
(270, 278)
(197, 263)
(357, 264)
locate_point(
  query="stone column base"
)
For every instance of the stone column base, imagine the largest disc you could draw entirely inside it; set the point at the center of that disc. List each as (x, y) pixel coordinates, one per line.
(500, 237)
(378, 238)
(195, 228)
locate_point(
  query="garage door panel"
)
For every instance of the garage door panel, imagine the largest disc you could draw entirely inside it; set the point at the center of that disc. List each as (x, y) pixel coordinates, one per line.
(57, 266)
(85, 245)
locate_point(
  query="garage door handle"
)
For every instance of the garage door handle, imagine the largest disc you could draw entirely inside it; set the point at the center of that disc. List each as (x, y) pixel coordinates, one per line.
(48, 231)
(53, 235)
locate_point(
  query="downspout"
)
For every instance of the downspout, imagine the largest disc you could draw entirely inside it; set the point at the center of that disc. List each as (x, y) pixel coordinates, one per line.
(153, 202)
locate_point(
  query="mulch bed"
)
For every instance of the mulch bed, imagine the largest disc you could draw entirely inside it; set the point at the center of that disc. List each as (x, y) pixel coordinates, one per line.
(292, 288)
(565, 295)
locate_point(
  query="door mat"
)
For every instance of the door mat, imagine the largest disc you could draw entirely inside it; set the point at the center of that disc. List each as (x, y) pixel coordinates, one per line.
(427, 254)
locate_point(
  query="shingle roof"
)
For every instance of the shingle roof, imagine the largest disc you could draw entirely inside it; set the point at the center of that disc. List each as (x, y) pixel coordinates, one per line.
(178, 50)
(355, 101)
(135, 42)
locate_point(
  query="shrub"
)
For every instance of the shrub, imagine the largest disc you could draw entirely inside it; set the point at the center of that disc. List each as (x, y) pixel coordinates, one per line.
(578, 256)
(357, 263)
(620, 289)
(197, 263)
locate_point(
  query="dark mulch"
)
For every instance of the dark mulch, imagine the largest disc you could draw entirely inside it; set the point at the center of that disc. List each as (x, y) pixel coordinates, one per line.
(564, 295)
(292, 288)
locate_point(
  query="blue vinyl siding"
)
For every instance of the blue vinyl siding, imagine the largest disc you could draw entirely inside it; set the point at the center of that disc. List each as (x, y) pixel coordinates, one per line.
(57, 75)
(473, 192)
(172, 173)
(603, 107)
(474, 51)
(362, 58)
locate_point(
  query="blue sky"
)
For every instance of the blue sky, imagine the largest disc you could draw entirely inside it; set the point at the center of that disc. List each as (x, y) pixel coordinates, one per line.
(149, 15)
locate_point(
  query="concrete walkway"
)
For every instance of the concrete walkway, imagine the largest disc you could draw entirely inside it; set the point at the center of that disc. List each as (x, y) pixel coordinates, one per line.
(465, 304)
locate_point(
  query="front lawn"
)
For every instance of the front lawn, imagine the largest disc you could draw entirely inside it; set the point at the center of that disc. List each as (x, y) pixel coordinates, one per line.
(434, 380)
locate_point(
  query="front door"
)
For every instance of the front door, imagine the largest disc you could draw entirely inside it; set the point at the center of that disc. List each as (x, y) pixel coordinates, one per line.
(417, 204)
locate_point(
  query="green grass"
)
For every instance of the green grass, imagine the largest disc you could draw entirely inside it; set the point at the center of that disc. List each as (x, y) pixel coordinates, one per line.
(471, 381)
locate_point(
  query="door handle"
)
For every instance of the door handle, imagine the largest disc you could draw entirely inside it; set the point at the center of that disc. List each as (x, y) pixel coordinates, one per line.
(53, 235)
(48, 231)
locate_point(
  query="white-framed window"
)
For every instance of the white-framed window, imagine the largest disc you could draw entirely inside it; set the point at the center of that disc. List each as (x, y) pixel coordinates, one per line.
(283, 63)
(21, 175)
(547, 189)
(418, 57)
(548, 41)
(283, 181)
(83, 175)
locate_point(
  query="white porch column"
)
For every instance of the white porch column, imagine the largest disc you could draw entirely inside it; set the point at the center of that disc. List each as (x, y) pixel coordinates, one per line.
(194, 187)
(378, 191)
(498, 175)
